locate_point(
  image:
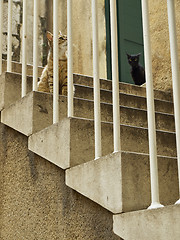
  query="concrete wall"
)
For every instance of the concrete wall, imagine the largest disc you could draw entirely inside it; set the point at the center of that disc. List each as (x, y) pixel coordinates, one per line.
(160, 43)
(82, 34)
(36, 203)
(16, 26)
(17, 8)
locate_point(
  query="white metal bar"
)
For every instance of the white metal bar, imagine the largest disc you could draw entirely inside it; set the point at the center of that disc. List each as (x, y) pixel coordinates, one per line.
(97, 107)
(70, 59)
(175, 77)
(115, 76)
(55, 63)
(24, 50)
(1, 33)
(35, 45)
(9, 38)
(150, 109)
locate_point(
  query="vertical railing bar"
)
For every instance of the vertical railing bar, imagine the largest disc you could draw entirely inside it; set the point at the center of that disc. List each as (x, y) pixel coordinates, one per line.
(55, 63)
(9, 37)
(1, 34)
(97, 107)
(175, 77)
(35, 45)
(150, 109)
(24, 50)
(115, 76)
(70, 59)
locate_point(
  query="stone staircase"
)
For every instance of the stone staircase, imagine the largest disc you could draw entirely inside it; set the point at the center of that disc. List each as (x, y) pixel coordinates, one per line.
(118, 182)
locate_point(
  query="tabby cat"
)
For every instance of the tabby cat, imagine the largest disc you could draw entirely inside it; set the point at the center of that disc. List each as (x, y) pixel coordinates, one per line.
(137, 71)
(46, 80)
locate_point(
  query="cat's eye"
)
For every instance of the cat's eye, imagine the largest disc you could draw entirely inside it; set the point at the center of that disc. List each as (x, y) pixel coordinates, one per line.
(135, 59)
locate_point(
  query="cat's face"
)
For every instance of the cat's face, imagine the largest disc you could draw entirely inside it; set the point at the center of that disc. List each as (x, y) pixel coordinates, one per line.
(62, 42)
(133, 60)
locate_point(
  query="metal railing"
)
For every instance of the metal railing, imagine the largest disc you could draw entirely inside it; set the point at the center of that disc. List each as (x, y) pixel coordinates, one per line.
(115, 78)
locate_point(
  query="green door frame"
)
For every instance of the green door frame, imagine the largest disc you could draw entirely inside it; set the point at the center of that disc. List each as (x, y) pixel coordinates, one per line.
(130, 35)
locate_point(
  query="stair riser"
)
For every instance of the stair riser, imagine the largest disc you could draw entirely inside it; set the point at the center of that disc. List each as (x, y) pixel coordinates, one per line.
(17, 68)
(11, 92)
(131, 89)
(132, 139)
(129, 116)
(121, 182)
(81, 138)
(125, 100)
(43, 105)
(88, 81)
(157, 224)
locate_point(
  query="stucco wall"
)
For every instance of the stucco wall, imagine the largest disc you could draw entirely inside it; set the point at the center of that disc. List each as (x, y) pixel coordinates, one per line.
(35, 203)
(17, 8)
(82, 33)
(16, 26)
(160, 43)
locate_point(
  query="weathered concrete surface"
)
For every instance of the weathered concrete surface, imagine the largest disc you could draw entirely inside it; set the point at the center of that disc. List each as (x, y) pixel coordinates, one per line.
(19, 116)
(36, 107)
(161, 62)
(16, 25)
(79, 133)
(36, 203)
(123, 87)
(53, 143)
(124, 99)
(120, 182)
(30, 114)
(17, 68)
(10, 90)
(82, 33)
(157, 224)
(17, 10)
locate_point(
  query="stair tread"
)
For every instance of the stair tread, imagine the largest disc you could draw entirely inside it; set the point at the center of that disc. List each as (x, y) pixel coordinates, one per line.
(161, 223)
(131, 116)
(118, 176)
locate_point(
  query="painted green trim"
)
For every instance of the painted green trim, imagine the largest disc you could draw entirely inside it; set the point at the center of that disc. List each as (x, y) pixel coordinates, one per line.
(130, 36)
(108, 40)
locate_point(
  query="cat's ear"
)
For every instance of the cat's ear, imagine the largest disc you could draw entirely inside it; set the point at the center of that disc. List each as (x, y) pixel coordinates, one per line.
(128, 55)
(60, 34)
(139, 54)
(49, 36)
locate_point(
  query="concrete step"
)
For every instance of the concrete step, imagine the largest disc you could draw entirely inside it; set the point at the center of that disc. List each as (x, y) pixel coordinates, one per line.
(31, 113)
(17, 68)
(73, 140)
(10, 88)
(88, 81)
(128, 115)
(124, 99)
(35, 202)
(82, 108)
(10, 92)
(124, 87)
(120, 182)
(155, 224)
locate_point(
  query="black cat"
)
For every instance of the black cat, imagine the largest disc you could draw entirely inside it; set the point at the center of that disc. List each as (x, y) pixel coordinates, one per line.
(137, 71)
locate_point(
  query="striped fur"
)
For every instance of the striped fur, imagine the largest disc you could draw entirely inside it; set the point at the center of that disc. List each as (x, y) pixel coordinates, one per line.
(46, 80)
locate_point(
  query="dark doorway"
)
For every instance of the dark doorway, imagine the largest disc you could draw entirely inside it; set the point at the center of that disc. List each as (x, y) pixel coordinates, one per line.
(130, 35)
